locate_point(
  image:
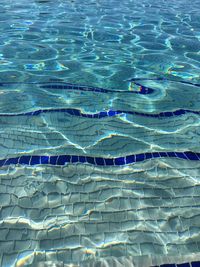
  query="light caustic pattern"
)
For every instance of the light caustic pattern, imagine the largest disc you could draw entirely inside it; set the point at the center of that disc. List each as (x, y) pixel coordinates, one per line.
(108, 172)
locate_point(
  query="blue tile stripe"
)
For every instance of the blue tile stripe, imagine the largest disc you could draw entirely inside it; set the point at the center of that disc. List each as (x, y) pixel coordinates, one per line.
(162, 79)
(185, 264)
(142, 89)
(97, 161)
(59, 84)
(77, 87)
(102, 114)
(70, 86)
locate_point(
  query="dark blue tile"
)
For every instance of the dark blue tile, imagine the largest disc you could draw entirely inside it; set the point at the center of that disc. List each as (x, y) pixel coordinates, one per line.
(35, 160)
(28, 113)
(82, 159)
(198, 155)
(74, 159)
(179, 112)
(140, 114)
(196, 112)
(171, 154)
(24, 160)
(70, 111)
(181, 155)
(148, 155)
(162, 114)
(191, 155)
(48, 110)
(63, 159)
(76, 112)
(119, 161)
(11, 161)
(83, 115)
(150, 91)
(99, 161)
(60, 110)
(103, 114)
(140, 157)
(169, 114)
(168, 265)
(37, 112)
(111, 113)
(53, 160)
(155, 155)
(155, 115)
(130, 159)
(59, 87)
(186, 264)
(195, 264)
(163, 154)
(44, 159)
(90, 160)
(129, 112)
(109, 162)
(92, 116)
(120, 112)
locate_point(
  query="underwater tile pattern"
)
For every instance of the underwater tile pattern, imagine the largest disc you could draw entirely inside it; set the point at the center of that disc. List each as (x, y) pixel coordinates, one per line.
(98, 161)
(99, 133)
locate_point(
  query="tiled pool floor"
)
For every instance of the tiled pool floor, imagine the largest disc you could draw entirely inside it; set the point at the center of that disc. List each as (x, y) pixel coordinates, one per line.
(99, 133)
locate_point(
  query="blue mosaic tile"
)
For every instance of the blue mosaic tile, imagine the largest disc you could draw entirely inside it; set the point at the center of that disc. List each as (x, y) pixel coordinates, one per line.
(53, 159)
(195, 264)
(111, 113)
(90, 160)
(171, 154)
(82, 159)
(63, 159)
(140, 157)
(35, 160)
(76, 112)
(35, 113)
(181, 155)
(179, 112)
(191, 155)
(163, 154)
(130, 159)
(162, 79)
(9, 161)
(155, 155)
(109, 162)
(63, 86)
(24, 160)
(148, 156)
(186, 264)
(183, 265)
(99, 161)
(120, 161)
(196, 112)
(168, 265)
(44, 159)
(101, 114)
(74, 159)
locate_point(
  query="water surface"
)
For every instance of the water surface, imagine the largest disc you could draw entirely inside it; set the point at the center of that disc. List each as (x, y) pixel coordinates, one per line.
(84, 210)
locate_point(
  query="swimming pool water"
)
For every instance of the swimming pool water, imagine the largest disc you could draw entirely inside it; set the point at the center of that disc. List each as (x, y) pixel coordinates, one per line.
(99, 133)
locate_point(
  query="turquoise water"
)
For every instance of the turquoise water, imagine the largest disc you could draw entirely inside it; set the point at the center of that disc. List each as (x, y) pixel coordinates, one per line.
(127, 189)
